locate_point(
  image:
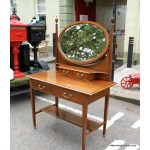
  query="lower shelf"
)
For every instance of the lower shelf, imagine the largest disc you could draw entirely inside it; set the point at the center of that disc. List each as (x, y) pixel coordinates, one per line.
(72, 118)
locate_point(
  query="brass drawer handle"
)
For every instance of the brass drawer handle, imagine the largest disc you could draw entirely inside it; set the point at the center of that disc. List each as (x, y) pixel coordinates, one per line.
(67, 96)
(41, 87)
(79, 75)
(64, 72)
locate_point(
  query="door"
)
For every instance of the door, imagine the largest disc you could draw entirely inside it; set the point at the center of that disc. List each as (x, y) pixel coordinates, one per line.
(85, 10)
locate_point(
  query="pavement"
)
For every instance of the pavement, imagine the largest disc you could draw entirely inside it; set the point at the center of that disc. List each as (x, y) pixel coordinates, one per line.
(131, 95)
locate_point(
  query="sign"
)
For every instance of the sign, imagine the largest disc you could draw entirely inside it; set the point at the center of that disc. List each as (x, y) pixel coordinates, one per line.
(83, 17)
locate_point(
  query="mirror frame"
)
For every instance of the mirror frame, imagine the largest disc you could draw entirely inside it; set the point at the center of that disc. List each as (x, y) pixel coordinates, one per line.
(91, 60)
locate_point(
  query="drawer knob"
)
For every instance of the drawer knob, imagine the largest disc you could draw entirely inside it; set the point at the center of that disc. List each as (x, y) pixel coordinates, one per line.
(67, 95)
(41, 87)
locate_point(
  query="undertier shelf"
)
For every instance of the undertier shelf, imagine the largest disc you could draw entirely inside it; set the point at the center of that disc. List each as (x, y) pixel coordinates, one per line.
(72, 118)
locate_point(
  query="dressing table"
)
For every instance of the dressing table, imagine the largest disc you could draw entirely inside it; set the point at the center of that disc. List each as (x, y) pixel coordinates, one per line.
(82, 74)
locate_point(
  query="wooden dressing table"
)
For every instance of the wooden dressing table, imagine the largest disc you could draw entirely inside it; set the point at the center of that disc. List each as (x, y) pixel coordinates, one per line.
(81, 82)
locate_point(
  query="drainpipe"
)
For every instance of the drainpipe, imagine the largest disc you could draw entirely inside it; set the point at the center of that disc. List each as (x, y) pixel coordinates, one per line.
(114, 7)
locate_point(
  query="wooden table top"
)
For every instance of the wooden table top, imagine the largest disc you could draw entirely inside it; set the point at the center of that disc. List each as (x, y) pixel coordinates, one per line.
(86, 87)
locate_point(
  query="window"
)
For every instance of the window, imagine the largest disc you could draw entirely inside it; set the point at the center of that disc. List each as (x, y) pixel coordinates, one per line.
(41, 11)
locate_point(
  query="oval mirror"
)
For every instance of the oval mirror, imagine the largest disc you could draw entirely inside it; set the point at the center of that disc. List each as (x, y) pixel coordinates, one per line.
(83, 42)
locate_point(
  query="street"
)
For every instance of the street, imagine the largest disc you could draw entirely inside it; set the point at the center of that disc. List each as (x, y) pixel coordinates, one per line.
(123, 130)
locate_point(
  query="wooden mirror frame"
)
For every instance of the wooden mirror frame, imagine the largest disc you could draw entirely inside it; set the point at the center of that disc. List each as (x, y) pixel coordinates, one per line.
(93, 59)
(100, 69)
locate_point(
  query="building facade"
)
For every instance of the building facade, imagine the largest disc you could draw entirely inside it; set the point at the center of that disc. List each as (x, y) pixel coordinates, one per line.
(68, 11)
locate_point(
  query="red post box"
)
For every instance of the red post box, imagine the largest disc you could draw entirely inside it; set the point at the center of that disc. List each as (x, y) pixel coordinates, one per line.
(18, 34)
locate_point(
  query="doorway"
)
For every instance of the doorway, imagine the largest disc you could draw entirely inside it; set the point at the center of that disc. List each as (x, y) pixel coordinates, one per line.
(85, 10)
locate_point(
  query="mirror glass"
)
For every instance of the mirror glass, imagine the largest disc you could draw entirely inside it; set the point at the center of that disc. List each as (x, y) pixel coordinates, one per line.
(82, 42)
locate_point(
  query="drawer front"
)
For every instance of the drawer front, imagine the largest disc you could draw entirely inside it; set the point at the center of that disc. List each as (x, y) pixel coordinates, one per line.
(83, 76)
(65, 72)
(69, 95)
(41, 86)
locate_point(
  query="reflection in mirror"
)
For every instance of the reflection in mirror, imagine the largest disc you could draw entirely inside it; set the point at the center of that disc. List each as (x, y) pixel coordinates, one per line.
(82, 42)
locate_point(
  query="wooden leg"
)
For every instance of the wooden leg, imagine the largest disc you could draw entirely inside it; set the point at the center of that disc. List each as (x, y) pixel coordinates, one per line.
(33, 107)
(56, 103)
(105, 113)
(84, 125)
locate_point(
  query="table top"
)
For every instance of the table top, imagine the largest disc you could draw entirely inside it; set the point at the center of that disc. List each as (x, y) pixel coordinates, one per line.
(86, 87)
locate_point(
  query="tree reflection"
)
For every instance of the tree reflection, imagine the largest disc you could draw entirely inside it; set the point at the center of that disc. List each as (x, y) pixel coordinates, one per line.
(82, 42)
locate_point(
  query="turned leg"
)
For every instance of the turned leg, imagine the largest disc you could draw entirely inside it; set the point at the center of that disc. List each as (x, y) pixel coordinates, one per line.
(105, 113)
(84, 125)
(33, 107)
(56, 104)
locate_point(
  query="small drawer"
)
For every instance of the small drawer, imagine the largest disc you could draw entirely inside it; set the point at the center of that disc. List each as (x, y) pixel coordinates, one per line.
(65, 72)
(41, 86)
(83, 76)
(90, 76)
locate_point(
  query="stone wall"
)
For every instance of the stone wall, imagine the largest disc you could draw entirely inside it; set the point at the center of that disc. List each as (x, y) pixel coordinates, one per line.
(67, 12)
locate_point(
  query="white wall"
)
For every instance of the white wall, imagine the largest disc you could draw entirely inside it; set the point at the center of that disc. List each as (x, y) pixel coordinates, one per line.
(132, 27)
(25, 10)
(52, 10)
